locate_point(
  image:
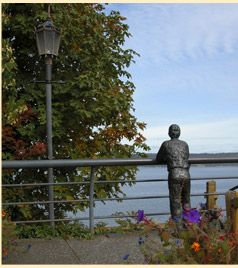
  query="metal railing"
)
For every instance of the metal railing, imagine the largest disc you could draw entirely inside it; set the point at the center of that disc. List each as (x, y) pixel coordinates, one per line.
(94, 163)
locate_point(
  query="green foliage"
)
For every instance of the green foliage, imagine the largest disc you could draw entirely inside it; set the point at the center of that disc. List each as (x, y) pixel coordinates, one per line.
(65, 231)
(91, 114)
(129, 224)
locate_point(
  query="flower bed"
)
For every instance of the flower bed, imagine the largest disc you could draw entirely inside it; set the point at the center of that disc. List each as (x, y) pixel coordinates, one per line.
(204, 239)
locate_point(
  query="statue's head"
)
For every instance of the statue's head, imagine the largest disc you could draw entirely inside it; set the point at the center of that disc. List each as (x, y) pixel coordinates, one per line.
(174, 131)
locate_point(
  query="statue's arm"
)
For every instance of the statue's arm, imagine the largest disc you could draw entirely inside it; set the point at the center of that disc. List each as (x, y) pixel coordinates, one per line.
(188, 154)
(187, 150)
(161, 155)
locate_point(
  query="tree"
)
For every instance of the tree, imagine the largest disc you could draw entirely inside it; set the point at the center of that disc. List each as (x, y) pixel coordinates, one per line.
(17, 119)
(93, 112)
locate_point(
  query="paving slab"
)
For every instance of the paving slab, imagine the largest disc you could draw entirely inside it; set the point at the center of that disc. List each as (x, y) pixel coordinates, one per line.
(42, 251)
(103, 249)
(108, 250)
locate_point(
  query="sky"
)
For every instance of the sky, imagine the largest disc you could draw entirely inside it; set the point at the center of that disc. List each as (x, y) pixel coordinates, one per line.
(187, 72)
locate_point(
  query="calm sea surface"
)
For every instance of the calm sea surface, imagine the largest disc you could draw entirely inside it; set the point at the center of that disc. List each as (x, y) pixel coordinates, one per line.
(161, 188)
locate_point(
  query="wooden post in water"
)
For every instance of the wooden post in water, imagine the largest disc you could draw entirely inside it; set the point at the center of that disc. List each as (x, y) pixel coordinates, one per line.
(232, 209)
(235, 213)
(229, 196)
(211, 199)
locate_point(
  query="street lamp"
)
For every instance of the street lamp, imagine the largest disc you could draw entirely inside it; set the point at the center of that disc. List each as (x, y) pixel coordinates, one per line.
(48, 40)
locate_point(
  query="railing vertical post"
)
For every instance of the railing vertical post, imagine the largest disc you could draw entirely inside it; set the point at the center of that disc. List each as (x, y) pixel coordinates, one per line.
(91, 201)
(211, 199)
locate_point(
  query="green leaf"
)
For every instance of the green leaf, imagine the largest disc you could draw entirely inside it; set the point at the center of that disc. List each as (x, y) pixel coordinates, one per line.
(146, 231)
(201, 254)
(165, 236)
(225, 247)
(184, 234)
(69, 197)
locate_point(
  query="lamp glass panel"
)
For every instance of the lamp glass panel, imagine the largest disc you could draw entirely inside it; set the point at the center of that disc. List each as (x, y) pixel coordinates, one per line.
(49, 42)
(57, 41)
(41, 47)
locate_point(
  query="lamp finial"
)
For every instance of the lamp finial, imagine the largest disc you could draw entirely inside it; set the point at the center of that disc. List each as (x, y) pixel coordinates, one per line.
(48, 12)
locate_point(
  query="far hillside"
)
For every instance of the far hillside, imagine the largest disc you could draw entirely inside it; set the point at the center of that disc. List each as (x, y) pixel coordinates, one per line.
(208, 155)
(203, 155)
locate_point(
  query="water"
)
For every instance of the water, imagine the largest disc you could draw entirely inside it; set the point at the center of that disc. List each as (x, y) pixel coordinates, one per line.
(161, 188)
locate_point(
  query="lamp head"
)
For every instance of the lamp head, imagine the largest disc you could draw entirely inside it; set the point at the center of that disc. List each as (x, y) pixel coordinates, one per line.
(47, 38)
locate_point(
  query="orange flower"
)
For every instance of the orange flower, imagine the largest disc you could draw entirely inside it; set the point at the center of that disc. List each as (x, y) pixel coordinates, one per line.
(197, 249)
(5, 253)
(219, 250)
(209, 259)
(210, 248)
(4, 249)
(195, 246)
(3, 213)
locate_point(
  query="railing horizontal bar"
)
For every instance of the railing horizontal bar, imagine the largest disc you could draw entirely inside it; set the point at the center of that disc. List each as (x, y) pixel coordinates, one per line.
(96, 217)
(60, 163)
(44, 184)
(152, 197)
(87, 218)
(97, 182)
(126, 216)
(55, 220)
(103, 199)
(130, 216)
(44, 202)
(215, 178)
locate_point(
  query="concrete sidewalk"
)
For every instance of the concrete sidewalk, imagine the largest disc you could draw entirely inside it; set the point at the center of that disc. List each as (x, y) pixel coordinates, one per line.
(103, 249)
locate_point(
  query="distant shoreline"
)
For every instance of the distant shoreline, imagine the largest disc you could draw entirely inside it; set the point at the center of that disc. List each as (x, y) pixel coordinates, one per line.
(203, 155)
(206, 155)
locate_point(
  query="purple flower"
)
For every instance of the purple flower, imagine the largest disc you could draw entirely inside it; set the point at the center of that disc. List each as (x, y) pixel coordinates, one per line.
(29, 246)
(126, 257)
(202, 205)
(175, 218)
(191, 215)
(166, 252)
(13, 241)
(185, 214)
(158, 262)
(178, 242)
(194, 216)
(140, 216)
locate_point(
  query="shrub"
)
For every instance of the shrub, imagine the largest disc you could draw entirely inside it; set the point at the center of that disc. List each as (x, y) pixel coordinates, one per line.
(9, 235)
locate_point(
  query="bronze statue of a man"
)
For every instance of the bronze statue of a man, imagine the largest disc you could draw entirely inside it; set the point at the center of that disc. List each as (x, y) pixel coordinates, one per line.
(175, 154)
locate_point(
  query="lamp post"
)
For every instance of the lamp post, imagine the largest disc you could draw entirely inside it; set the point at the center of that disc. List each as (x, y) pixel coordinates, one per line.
(48, 40)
